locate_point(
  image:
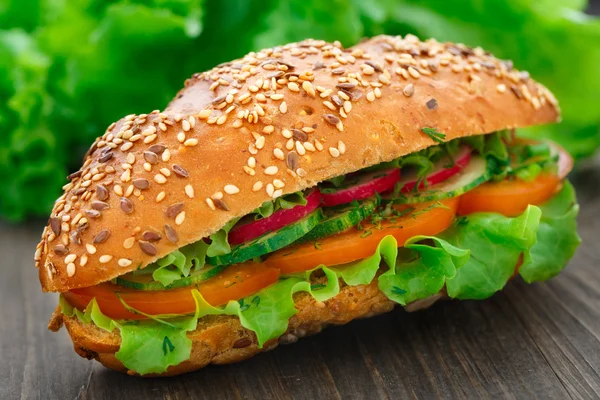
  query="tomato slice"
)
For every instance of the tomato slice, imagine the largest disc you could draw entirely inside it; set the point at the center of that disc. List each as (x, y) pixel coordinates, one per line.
(236, 282)
(509, 197)
(353, 245)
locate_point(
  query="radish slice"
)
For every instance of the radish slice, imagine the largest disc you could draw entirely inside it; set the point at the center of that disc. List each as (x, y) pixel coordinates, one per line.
(251, 230)
(440, 172)
(565, 161)
(367, 186)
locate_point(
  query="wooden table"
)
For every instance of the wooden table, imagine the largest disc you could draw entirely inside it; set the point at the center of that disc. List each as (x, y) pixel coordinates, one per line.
(540, 340)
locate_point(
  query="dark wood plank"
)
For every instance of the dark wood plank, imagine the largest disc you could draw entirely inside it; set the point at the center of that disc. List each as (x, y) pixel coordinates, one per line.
(530, 341)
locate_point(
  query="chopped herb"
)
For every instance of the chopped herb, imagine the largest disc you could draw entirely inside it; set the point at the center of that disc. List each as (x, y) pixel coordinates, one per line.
(167, 345)
(317, 245)
(434, 134)
(397, 290)
(366, 233)
(317, 286)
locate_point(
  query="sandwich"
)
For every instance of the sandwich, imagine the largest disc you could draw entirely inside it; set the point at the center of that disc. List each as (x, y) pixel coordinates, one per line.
(303, 186)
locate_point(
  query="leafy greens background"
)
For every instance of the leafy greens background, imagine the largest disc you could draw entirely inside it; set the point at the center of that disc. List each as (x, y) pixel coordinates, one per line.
(68, 68)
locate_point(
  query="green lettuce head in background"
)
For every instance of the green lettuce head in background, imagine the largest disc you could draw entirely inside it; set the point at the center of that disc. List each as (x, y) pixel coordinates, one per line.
(70, 68)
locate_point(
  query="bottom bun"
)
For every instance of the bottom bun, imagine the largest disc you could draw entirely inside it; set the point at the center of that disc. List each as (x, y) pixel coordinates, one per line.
(222, 339)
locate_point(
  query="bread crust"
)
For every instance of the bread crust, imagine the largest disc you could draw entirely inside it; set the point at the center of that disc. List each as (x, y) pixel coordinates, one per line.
(153, 183)
(222, 340)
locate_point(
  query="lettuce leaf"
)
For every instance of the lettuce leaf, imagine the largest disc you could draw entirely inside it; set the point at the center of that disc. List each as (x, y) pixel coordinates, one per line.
(285, 202)
(179, 263)
(495, 243)
(557, 237)
(422, 270)
(151, 346)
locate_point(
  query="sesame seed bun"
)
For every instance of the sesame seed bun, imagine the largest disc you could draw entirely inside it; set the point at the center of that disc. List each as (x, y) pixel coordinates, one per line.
(271, 123)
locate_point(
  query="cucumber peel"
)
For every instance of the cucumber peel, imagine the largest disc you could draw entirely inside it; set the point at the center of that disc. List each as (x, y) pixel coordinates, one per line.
(270, 242)
(474, 174)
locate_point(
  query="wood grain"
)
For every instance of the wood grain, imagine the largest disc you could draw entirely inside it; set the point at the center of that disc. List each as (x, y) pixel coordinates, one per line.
(529, 341)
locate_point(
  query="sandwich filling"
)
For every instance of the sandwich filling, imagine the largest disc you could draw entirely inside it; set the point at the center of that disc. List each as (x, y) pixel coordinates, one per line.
(460, 218)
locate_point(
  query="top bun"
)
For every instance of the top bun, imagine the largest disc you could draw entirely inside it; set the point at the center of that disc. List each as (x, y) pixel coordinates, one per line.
(274, 122)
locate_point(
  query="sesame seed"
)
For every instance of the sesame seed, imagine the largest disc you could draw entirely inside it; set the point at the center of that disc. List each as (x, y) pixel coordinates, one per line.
(501, 88)
(118, 189)
(189, 191)
(257, 186)
(124, 262)
(249, 170)
(160, 197)
(70, 258)
(70, 270)
(277, 193)
(278, 153)
(283, 107)
(147, 167)
(308, 87)
(191, 142)
(126, 176)
(272, 170)
(160, 179)
(371, 96)
(150, 139)
(413, 72)
(377, 92)
(329, 105)
(166, 155)
(180, 218)
(204, 114)
(130, 158)
(185, 125)
(129, 242)
(126, 146)
(408, 90)
(90, 248)
(300, 148)
(83, 260)
(293, 86)
(286, 133)
(289, 144)
(220, 121)
(165, 172)
(260, 142)
(347, 106)
(341, 147)
(231, 189)
(278, 183)
(268, 129)
(301, 172)
(105, 258)
(129, 190)
(334, 152)
(270, 189)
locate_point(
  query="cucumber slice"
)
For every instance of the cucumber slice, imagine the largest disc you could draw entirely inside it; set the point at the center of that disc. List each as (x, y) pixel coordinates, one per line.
(145, 282)
(473, 175)
(339, 219)
(270, 242)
